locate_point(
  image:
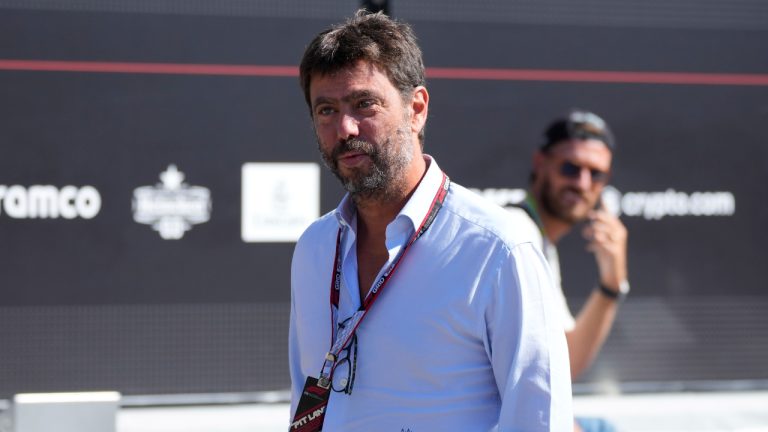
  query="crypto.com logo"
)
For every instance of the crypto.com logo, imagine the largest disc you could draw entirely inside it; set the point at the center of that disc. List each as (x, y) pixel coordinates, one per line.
(657, 205)
(648, 205)
(172, 206)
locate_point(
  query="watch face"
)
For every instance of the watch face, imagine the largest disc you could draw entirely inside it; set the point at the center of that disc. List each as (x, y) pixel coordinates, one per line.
(624, 287)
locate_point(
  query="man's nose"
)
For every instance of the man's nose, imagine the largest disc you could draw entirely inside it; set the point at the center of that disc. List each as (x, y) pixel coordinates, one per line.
(347, 126)
(584, 180)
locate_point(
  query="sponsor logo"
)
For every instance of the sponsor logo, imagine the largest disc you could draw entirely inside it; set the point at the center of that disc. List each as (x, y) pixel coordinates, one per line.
(381, 281)
(648, 205)
(171, 206)
(502, 197)
(611, 200)
(657, 205)
(49, 202)
(279, 200)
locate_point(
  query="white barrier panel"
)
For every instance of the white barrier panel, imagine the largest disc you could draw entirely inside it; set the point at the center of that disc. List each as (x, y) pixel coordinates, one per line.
(66, 412)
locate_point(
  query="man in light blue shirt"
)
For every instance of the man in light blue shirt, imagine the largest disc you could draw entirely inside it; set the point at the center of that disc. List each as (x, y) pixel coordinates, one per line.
(416, 305)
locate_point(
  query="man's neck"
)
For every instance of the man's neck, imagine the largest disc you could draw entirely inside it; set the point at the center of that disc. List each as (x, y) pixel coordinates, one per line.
(377, 212)
(373, 217)
(554, 228)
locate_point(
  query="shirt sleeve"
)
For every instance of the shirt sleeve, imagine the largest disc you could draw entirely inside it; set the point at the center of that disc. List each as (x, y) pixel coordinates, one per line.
(301, 268)
(297, 377)
(527, 346)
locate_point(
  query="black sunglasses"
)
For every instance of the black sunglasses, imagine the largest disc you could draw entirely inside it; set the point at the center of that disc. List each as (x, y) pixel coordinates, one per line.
(571, 170)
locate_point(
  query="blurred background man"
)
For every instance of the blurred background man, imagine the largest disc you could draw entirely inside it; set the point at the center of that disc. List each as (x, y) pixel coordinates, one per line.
(569, 172)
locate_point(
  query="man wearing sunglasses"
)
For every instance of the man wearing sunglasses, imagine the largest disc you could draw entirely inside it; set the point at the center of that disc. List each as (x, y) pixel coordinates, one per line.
(569, 172)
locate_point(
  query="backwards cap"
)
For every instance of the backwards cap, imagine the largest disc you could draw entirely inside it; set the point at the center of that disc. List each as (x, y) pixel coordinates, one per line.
(578, 125)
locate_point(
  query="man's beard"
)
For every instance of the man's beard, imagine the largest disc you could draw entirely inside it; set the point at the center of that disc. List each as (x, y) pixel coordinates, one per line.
(384, 177)
(552, 205)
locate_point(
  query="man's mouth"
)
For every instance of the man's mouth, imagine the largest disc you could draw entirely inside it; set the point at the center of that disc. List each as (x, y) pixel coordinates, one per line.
(571, 197)
(352, 159)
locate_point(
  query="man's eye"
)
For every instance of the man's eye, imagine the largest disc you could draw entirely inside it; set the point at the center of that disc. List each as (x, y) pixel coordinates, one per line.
(324, 110)
(366, 103)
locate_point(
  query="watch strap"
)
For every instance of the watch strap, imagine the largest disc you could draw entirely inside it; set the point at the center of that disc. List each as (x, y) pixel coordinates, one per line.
(611, 294)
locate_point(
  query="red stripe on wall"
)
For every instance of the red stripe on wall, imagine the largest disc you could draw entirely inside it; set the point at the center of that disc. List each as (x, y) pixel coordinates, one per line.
(549, 75)
(598, 76)
(149, 68)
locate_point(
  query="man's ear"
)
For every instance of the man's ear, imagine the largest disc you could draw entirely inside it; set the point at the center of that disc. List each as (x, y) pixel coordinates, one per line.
(419, 108)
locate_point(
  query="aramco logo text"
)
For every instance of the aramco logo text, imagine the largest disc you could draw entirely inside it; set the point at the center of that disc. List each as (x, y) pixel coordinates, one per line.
(49, 202)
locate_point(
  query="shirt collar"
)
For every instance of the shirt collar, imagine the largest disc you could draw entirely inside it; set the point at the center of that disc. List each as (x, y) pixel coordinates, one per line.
(418, 205)
(415, 210)
(345, 212)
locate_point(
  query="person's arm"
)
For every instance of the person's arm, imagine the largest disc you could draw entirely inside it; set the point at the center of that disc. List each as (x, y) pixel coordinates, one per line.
(526, 345)
(607, 240)
(593, 324)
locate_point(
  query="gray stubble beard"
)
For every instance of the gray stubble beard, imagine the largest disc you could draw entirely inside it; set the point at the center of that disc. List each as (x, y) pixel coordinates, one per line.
(385, 180)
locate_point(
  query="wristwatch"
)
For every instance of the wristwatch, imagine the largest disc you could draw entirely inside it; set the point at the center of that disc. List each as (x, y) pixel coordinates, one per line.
(613, 294)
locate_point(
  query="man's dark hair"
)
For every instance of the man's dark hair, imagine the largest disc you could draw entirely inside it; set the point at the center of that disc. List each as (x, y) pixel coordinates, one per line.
(388, 44)
(578, 124)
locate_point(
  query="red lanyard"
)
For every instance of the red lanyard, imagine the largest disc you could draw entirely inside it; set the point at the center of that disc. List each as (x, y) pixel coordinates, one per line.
(345, 334)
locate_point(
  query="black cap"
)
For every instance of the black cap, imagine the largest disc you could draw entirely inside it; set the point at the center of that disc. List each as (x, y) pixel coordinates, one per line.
(578, 125)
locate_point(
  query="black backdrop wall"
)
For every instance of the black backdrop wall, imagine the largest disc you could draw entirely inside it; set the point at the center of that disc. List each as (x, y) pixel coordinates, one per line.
(147, 230)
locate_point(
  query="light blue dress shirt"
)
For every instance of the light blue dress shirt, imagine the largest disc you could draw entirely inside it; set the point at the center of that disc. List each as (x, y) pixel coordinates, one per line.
(465, 336)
